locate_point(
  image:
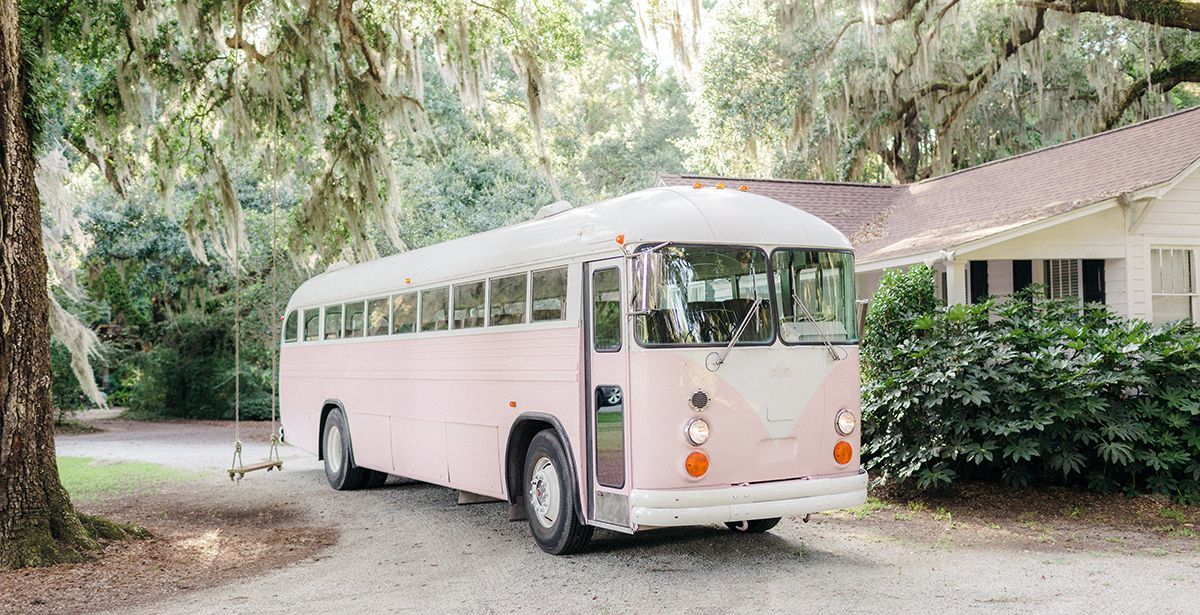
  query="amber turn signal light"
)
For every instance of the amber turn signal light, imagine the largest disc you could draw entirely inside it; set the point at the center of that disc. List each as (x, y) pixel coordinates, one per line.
(696, 464)
(842, 452)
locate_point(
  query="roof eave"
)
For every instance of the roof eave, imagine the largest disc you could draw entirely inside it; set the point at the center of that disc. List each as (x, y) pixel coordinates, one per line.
(992, 239)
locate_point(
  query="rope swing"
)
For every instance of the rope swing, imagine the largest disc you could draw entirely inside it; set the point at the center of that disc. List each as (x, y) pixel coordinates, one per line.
(237, 469)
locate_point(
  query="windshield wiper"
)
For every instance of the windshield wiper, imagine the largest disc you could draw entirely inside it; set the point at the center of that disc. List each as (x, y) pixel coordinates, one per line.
(716, 360)
(825, 340)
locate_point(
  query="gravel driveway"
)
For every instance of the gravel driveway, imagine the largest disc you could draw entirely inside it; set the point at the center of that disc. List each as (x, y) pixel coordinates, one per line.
(407, 547)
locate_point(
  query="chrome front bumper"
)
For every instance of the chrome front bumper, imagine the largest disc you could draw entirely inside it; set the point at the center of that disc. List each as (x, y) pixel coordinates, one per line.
(663, 508)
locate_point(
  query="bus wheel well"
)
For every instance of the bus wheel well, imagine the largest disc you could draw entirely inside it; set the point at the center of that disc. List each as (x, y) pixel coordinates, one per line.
(325, 410)
(519, 437)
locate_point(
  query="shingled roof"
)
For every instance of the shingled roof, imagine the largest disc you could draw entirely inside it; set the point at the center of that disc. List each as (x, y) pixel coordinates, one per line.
(893, 221)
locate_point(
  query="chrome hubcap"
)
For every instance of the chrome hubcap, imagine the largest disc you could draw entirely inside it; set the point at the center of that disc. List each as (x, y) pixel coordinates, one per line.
(333, 449)
(543, 492)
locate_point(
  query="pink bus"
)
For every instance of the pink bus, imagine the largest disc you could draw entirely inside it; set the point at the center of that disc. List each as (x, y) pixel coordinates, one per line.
(676, 356)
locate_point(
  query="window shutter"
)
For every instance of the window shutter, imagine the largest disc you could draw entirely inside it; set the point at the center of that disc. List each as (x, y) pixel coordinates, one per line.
(1063, 279)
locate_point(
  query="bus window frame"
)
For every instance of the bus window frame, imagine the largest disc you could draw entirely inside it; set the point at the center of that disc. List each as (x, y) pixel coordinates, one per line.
(528, 275)
(620, 308)
(741, 344)
(779, 317)
(566, 267)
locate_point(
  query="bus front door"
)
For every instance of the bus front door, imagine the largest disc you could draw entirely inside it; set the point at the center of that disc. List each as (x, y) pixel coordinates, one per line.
(607, 382)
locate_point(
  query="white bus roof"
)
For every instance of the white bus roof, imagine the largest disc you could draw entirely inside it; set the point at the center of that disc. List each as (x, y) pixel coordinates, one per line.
(676, 214)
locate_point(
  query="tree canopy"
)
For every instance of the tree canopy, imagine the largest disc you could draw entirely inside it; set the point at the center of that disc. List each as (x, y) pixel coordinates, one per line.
(373, 126)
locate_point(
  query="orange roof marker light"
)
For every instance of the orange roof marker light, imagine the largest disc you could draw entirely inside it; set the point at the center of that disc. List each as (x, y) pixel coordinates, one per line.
(512, 404)
(620, 239)
(697, 185)
(720, 186)
(744, 188)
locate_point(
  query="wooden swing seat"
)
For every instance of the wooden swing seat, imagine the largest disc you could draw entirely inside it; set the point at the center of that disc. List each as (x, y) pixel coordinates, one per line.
(268, 465)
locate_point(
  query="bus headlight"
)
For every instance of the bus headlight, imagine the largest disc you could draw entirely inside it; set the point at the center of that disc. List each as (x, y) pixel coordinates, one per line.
(697, 431)
(845, 423)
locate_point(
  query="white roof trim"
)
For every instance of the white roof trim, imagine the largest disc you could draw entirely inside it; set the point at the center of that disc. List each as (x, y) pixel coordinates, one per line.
(1157, 191)
(961, 249)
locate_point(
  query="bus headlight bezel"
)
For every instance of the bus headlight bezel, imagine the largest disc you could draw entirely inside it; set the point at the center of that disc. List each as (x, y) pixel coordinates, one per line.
(697, 431)
(845, 423)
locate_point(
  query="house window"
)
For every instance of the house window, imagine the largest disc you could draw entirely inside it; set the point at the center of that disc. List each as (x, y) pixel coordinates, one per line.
(1022, 273)
(1173, 284)
(1063, 278)
(977, 278)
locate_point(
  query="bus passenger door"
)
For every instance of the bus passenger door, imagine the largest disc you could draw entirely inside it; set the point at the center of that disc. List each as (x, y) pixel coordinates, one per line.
(607, 382)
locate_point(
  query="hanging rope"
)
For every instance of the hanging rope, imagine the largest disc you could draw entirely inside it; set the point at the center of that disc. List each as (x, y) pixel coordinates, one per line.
(237, 469)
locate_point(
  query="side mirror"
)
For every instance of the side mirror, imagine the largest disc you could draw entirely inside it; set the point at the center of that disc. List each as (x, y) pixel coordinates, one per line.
(645, 282)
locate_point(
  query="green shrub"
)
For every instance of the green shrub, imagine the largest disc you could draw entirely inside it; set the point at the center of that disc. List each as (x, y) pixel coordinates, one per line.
(1035, 391)
(190, 374)
(902, 295)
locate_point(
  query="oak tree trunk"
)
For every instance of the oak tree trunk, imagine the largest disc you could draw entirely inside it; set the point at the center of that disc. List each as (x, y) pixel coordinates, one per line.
(38, 525)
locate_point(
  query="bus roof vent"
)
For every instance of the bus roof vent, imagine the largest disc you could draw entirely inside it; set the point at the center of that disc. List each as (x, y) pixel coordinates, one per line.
(552, 209)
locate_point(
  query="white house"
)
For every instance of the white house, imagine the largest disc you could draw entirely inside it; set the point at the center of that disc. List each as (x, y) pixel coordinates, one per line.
(1113, 218)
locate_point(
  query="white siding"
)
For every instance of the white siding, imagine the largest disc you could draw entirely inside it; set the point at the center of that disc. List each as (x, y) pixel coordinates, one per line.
(1172, 221)
(1100, 235)
(1115, 285)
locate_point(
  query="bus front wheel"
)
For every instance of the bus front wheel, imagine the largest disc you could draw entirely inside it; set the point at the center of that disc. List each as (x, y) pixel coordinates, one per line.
(756, 526)
(340, 470)
(550, 496)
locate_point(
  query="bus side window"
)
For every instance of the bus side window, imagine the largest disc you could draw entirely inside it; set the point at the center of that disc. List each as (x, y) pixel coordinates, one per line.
(377, 316)
(333, 322)
(550, 294)
(289, 327)
(468, 305)
(606, 310)
(312, 324)
(433, 309)
(355, 319)
(506, 300)
(404, 313)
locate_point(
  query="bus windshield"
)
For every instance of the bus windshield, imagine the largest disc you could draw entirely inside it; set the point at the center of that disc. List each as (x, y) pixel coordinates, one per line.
(815, 291)
(708, 291)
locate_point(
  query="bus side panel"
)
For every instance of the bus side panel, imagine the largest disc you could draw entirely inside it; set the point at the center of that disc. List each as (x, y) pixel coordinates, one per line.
(449, 399)
(476, 459)
(419, 449)
(297, 408)
(370, 435)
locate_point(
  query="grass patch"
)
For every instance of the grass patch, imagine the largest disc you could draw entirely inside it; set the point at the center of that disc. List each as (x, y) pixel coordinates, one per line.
(872, 506)
(87, 479)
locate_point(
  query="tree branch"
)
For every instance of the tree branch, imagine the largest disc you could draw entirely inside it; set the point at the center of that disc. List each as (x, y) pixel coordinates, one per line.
(1183, 14)
(1186, 71)
(902, 13)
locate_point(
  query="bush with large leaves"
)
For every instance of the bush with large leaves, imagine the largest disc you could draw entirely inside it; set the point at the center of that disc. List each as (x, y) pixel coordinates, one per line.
(1030, 391)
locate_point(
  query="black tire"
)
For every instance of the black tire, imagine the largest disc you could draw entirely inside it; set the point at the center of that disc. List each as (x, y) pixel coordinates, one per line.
(559, 530)
(340, 470)
(757, 526)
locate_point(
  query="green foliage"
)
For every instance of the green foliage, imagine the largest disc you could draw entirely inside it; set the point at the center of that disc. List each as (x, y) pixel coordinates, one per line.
(64, 386)
(903, 296)
(190, 373)
(1036, 391)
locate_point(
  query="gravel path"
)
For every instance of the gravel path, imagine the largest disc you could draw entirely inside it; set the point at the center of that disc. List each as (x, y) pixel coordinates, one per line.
(408, 548)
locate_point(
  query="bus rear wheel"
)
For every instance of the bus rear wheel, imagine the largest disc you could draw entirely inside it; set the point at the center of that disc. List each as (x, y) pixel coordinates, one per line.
(756, 526)
(340, 470)
(550, 498)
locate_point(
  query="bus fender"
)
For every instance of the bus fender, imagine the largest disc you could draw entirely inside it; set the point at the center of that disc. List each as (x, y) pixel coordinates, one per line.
(513, 471)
